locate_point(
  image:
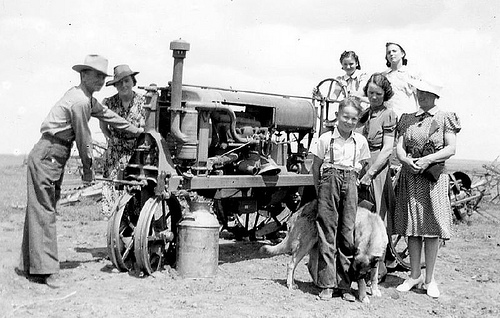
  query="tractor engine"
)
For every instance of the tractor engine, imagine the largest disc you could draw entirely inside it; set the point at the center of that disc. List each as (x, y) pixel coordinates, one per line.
(227, 132)
(202, 131)
(242, 152)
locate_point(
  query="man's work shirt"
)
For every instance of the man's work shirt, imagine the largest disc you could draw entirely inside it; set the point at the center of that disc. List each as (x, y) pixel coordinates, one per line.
(69, 120)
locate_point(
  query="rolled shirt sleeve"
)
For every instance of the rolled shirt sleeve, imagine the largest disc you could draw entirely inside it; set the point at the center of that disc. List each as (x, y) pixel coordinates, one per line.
(80, 116)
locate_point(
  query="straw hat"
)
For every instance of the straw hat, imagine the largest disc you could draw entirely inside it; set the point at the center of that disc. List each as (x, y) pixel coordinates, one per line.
(93, 62)
(121, 71)
(427, 86)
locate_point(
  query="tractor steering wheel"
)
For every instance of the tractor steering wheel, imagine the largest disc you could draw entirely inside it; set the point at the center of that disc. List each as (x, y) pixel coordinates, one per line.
(323, 94)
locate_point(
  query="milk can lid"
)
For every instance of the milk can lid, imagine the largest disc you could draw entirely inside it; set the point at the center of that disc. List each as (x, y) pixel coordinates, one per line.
(200, 219)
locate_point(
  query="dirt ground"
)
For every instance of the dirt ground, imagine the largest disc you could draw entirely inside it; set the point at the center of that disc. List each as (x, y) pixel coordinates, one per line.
(247, 284)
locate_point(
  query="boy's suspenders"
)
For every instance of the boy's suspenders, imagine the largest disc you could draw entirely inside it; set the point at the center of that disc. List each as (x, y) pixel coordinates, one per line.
(331, 151)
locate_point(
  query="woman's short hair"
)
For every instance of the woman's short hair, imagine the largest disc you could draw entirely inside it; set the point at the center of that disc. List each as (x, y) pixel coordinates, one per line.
(347, 54)
(134, 81)
(381, 81)
(405, 61)
(353, 102)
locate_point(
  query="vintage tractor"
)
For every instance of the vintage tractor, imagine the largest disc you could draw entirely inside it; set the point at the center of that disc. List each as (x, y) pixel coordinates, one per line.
(244, 151)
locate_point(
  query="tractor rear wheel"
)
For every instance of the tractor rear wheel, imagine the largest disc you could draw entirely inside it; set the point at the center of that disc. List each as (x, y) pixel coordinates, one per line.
(156, 234)
(121, 230)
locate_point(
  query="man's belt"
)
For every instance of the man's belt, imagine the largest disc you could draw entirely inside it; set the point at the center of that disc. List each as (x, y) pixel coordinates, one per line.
(57, 140)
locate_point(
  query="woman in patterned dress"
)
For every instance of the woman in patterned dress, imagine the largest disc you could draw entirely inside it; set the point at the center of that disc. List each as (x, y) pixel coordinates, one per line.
(129, 105)
(423, 212)
(379, 130)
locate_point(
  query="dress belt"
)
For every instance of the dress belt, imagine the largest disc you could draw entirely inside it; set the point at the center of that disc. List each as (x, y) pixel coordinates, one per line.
(57, 140)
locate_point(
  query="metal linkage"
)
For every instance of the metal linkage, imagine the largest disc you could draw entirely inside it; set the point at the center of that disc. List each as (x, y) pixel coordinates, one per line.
(492, 178)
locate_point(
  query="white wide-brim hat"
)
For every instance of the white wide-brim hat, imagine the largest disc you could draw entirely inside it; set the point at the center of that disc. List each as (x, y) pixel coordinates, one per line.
(427, 86)
(93, 62)
(121, 71)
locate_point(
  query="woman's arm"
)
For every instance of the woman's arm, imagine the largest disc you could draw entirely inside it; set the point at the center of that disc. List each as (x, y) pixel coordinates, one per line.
(383, 157)
(450, 141)
(403, 157)
(360, 96)
(105, 129)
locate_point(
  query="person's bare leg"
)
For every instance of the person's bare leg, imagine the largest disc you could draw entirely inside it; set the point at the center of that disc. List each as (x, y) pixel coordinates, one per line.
(415, 250)
(416, 277)
(431, 251)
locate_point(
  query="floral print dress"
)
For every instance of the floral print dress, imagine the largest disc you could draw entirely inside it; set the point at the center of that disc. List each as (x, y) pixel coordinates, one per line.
(422, 206)
(120, 146)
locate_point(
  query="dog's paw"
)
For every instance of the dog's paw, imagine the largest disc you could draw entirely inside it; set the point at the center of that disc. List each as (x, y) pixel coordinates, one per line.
(292, 286)
(376, 292)
(365, 300)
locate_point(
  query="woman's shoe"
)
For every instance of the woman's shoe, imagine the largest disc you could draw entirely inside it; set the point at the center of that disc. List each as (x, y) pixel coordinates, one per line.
(432, 289)
(410, 283)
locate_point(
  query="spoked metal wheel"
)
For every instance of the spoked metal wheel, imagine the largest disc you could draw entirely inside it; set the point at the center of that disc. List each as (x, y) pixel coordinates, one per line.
(325, 92)
(398, 244)
(399, 249)
(121, 230)
(326, 88)
(156, 233)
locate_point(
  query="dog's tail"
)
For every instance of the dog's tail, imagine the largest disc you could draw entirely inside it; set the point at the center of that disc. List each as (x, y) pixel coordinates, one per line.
(302, 220)
(281, 248)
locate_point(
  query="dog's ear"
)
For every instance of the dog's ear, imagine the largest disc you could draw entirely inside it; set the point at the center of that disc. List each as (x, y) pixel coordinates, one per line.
(357, 252)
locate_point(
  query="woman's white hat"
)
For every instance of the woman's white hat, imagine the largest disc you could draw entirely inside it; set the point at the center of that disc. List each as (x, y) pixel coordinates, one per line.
(427, 86)
(93, 62)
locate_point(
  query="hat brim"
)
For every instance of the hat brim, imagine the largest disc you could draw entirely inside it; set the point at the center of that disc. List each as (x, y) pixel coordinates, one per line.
(122, 76)
(425, 87)
(430, 91)
(81, 67)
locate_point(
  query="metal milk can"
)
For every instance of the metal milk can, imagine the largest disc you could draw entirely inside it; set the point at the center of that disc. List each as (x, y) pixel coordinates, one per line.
(198, 242)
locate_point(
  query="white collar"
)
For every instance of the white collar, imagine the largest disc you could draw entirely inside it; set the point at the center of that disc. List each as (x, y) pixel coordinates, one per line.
(402, 69)
(336, 134)
(431, 111)
(354, 75)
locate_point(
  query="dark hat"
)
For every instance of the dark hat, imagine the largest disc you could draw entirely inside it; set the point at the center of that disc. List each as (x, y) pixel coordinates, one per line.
(121, 71)
(93, 62)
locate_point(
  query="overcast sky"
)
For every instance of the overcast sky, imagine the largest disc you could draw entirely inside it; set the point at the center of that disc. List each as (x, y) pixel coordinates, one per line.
(271, 46)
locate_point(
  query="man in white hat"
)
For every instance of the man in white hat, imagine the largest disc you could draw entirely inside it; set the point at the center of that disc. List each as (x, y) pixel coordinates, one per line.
(66, 122)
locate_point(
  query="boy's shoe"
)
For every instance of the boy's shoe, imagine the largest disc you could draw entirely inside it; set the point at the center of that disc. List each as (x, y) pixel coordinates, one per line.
(326, 294)
(54, 281)
(347, 296)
